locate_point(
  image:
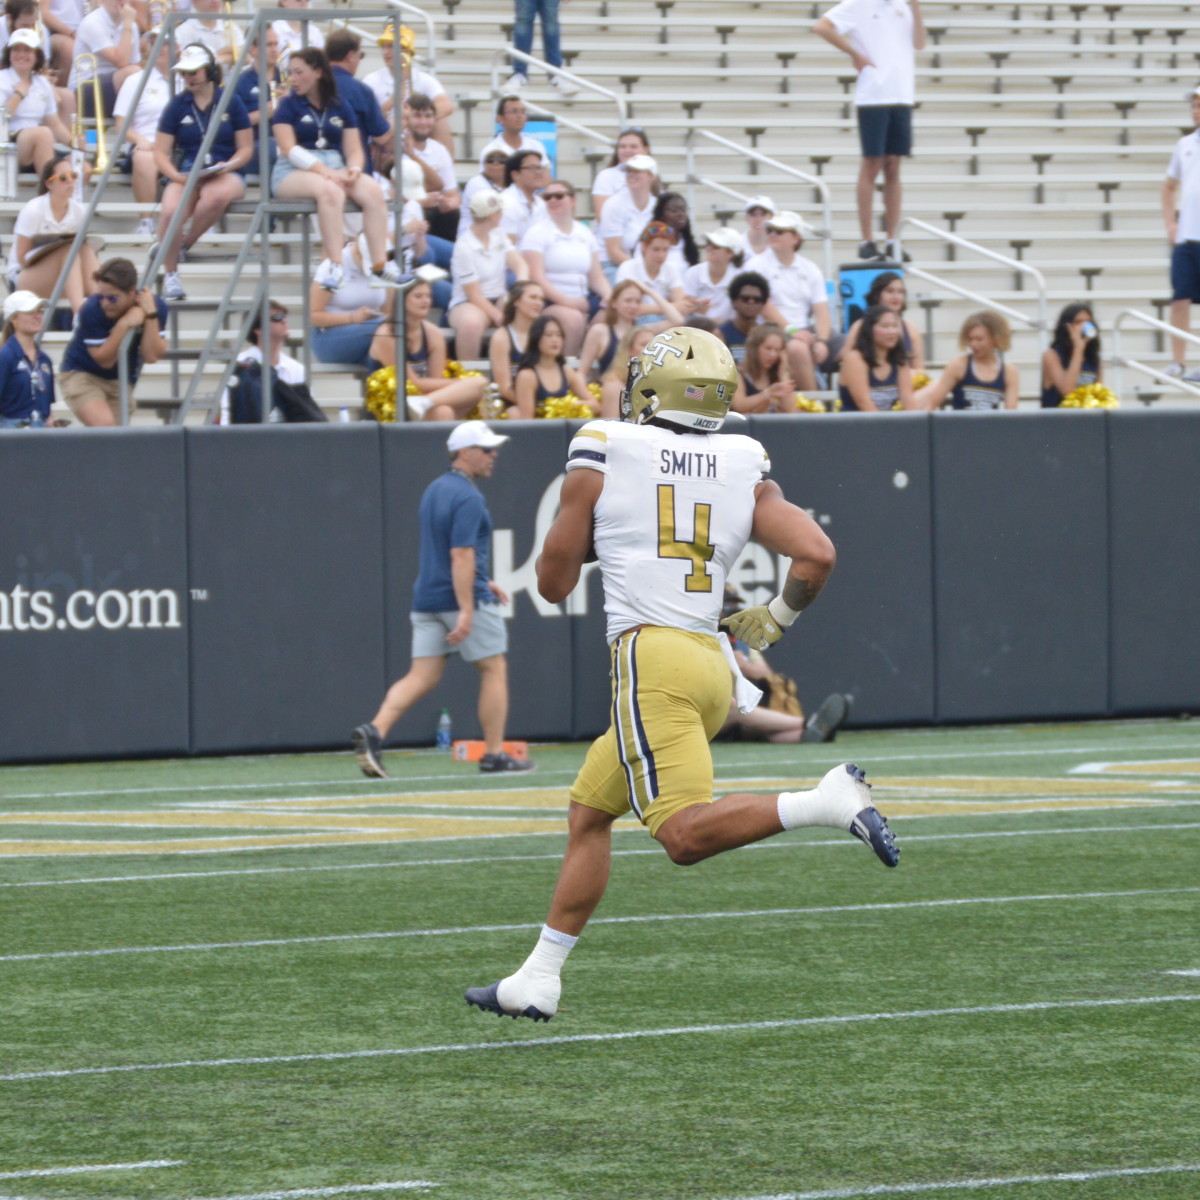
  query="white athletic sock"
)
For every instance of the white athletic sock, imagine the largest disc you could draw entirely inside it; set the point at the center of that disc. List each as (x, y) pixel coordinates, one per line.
(551, 951)
(797, 809)
(537, 981)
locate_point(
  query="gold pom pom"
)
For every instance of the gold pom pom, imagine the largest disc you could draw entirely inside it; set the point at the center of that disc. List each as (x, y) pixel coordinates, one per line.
(381, 395)
(568, 407)
(804, 404)
(920, 380)
(597, 391)
(454, 369)
(1092, 395)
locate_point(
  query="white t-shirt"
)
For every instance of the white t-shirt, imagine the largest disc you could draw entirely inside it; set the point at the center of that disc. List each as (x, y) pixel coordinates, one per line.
(519, 213)
(434, 154)
(356, 291)
(477, 183)
(71, 12)
(623, 219)
(474, 261)
(6, 34)
(216, 39)
(1185, 166)
(527, 143)
(883, 31)
(291, 39)
(610, 181)
(39, 102)
(98, 31)
(151, 103)
(669, 276)
(36, 220)
(795, 289)
(697, 283)
(566, 257)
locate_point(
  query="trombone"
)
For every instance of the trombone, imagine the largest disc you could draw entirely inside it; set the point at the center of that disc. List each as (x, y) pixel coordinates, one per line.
(230, 32)
(157, 11)
(86, 70)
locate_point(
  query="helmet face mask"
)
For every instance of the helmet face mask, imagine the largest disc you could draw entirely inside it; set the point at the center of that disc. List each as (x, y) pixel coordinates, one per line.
(685, 377)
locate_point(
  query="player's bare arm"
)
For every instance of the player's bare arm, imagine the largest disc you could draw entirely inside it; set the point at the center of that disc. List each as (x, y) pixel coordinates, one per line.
(569, 541)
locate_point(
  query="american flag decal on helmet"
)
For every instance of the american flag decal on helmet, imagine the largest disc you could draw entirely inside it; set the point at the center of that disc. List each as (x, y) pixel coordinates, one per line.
(691, 392)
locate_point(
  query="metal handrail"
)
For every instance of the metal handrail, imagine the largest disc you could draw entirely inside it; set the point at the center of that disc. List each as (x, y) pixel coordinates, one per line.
(1118, 360)
(1042, 321)
(825, 232)
(511, 52)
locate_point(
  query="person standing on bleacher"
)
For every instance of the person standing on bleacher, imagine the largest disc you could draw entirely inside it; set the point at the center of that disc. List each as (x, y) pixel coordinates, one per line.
(1181, 215)
(881, 38)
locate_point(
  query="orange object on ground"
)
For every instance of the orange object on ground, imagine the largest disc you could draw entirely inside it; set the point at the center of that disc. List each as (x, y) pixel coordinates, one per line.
(473, 751)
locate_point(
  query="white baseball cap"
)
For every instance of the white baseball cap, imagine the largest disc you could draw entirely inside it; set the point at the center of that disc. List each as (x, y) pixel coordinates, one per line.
(25, 37)
(473, 433)
(194, 57)
(761, 202)
(726, 238)
(485, 204)
(642, 162)
(412, 180)
(22, 302)
(792, 221)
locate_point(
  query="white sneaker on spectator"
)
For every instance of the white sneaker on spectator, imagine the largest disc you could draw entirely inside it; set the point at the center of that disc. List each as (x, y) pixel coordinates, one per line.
(1192, 376)
(173, 287)
(1175, 370)
(515, 82)
(329, 275)
(388, 276)
(563, 85)
(147, 227)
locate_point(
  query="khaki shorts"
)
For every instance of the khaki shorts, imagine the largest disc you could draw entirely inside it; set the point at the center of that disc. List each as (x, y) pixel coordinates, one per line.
(671, 693)
(79, 387)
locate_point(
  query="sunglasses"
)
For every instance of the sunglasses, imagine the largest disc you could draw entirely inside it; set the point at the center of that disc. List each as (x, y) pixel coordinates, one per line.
(495, 160)
(556, 195)
(105, 298)
(70, 177)
(750, 298)
(278, 318)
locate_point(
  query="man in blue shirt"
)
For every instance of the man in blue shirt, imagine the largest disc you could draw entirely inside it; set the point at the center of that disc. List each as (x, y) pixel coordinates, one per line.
(344, 51)
(456, 606)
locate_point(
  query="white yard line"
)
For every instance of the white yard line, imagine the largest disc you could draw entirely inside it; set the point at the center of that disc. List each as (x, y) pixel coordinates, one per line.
(1191, 972)
(908, 1189)
(844, 843)
(644, 919)
(38, 1172)
(525, 1044)
(346, 1189)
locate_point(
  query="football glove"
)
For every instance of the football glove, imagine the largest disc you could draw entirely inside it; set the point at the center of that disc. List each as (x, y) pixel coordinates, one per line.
(754, 626)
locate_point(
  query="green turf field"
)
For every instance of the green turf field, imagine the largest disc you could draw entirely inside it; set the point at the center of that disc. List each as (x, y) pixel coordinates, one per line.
(243, 978)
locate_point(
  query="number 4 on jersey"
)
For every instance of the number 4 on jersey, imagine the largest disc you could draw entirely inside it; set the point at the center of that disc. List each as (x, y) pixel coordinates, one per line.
(698, 551)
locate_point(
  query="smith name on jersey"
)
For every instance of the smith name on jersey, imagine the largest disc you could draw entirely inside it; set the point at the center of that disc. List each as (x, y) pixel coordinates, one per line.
(675, 513)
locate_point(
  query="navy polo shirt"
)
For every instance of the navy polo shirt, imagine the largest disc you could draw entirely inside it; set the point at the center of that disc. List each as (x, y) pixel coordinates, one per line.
(25, 390)
(310, 123)
(92, 328)
(452, 514)
(365, 106)
(187, 123)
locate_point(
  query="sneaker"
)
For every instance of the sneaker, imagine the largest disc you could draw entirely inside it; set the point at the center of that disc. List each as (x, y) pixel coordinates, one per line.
(515, 82)
(892, 250)
(329, 275)
(1175, 370)
(147, 227)
(563, 85)
(848, 783)
(1192, 377)
(868, 250)
(823, 725)
(389, 277)
(368, 746)
(486, 998)
(173, 287)
(491, 764)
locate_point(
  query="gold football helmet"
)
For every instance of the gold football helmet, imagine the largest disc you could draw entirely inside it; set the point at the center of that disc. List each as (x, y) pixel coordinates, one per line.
(685, 377)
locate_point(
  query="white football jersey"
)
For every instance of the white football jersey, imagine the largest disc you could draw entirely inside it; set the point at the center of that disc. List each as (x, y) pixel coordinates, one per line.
(674, 515)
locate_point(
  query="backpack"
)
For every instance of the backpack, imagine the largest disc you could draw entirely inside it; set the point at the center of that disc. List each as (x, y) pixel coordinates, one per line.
(292, 401)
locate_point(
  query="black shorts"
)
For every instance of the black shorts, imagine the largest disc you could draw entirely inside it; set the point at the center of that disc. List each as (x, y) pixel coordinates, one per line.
(885, 129)
(1185, 272)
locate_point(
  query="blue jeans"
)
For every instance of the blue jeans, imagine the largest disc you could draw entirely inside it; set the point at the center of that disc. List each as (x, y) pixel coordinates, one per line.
(523, 32)
(439, 252)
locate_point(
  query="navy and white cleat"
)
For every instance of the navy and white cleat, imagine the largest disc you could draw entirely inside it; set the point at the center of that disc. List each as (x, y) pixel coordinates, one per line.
(485, 998)
(870, 825)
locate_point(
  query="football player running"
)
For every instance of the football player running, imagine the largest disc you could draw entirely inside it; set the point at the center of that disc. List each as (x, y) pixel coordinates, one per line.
(666, 502)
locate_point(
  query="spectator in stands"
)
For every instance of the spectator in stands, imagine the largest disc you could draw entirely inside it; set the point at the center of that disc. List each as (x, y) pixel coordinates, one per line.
(321, 159)
(291, 399)
(343, 48)
(42, 237)
(442, 199)
(524, 175)
(61, 18)
(181, 130)
(631, 142)
(296, 33)
(881, 43)
(24, 14)
(706, 285)
(89, 373)
(1181, 215)
(1073, 358)
(523, 305)
(110, 33)
(618, 317)
(660, 279)
(875, 375)
(543, 374)
(212, 27)
(979, 379)
(617, 376)
(706, 324)
(437, 398)
(764, 382)
(547, 10)
(28, 101)
(137, 159)
(483, 258)
(564, 258)
(888, 289)
(759, 209)
(26, 374)
(749, 294)
(382, 83)
(489, 179)
(628, 213)
(512, 117)
(250, 92)
(672, 209)
(414, 227)
(353, 324)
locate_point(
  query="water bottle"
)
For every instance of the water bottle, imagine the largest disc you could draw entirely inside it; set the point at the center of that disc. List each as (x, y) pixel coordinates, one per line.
(344, 415)
(443, 730)
(1089, 330)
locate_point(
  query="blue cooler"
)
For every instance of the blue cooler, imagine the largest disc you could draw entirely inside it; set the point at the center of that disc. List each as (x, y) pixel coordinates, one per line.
(854, 282)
